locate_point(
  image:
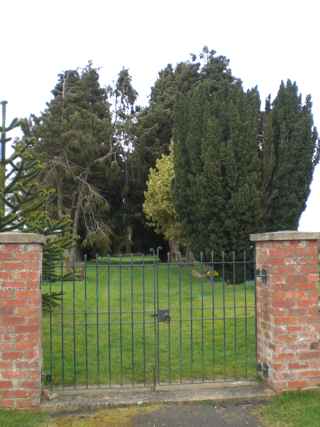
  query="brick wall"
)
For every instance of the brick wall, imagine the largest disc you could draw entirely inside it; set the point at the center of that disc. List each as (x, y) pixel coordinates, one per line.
(20, 320)
(288, 318)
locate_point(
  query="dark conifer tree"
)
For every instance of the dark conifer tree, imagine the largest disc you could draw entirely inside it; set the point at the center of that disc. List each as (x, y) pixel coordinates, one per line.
(75, 142)
(290, 152)
(217, 174)
(239, 170)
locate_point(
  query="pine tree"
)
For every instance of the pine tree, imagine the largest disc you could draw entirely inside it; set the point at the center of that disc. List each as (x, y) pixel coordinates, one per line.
(18, 197)
(75, 142)
(124, 114)
(26, 203)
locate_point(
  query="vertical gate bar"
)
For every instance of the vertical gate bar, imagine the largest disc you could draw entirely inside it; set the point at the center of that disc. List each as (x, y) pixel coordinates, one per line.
(191, 322)
(51, 267)
(213, 315)
(144, 321)
(158, 323)
(86, 320)
(202, 316)
(234, 312)
(245, 312)
(155, 317)
(120, 320)
(224, 315)
(132, 323)
(74, 324)
(62, 321)
(109, 319)
(180, 322)
(97, 321)
(169, 323)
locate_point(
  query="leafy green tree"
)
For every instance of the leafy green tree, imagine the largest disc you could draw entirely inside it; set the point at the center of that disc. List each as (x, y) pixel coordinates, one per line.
(290, 152)
(159, 206)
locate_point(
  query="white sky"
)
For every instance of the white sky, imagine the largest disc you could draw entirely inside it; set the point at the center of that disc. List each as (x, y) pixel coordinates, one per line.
(266, 41)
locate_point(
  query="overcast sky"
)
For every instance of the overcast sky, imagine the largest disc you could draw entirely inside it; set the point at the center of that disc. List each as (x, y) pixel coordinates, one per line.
(266, 41)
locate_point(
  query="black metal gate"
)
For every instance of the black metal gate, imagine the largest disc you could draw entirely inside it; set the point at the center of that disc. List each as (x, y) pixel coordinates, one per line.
(135, 320)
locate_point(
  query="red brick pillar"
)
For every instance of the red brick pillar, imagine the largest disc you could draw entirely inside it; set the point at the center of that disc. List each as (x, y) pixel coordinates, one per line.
(20, 320)
(288, 318)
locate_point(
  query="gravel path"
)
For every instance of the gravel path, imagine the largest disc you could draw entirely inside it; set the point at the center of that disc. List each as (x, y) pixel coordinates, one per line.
(164, 415)
(198, 415)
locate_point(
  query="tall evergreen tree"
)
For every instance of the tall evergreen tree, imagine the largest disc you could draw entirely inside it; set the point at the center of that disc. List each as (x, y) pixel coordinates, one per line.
(19, 195)
(290, 151)
(216, 162)
(239, 170)
(75, 142)
(124, 114)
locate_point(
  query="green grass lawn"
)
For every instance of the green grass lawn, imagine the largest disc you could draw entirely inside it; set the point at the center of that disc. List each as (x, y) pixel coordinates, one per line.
(294, 409)
(22, 419)
(104, 332)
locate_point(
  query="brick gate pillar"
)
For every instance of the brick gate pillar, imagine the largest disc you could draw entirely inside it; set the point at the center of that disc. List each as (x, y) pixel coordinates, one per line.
(20, 320)
(288, 318)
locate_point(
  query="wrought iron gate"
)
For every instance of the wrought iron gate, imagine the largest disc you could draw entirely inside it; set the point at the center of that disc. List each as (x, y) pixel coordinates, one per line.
(135, 320)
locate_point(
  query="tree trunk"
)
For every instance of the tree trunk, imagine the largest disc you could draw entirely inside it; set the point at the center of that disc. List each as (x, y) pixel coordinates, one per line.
(129, 240)
(175, 254)
(74, 253)
(189, 255)
(59, 200)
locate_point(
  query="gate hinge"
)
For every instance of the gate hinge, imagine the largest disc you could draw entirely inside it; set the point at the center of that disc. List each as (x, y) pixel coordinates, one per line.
(263, 369)
(262, 274)
(46, 378)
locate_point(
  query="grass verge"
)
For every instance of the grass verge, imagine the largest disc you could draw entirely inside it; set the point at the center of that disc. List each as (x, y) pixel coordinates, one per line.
(294, 409)
(22, 419)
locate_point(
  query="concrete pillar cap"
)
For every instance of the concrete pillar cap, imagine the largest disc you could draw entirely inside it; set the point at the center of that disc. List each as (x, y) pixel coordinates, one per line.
(16, 237)
(284, 236)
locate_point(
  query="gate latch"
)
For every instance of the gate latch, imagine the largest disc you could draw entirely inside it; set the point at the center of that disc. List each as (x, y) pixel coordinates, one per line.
(262, 274)
(163, 315)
